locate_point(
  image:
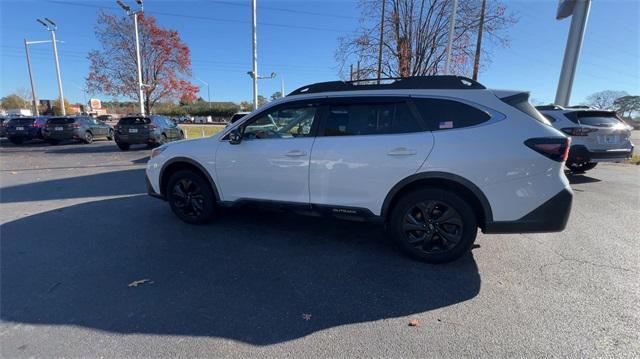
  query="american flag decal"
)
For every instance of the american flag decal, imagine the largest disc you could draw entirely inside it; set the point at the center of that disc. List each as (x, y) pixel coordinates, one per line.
(445, 124)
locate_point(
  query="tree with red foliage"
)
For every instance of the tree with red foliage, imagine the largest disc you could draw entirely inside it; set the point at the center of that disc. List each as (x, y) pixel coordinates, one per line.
(165, 61)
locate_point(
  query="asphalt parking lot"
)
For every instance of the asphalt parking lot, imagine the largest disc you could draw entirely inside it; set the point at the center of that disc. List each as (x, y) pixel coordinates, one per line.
(77, 229)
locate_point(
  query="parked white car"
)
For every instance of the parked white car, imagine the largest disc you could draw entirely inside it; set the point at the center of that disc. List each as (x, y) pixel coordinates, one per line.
(435, 158)
(596, 135)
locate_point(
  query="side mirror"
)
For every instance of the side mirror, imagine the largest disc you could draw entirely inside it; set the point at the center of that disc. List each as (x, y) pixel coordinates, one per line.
(235, 137)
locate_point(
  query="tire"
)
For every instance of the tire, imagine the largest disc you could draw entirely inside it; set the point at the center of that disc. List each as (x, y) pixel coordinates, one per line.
(181, 135)
(418, 225)
(16, 140)
(580, 167)
(123, 146)
(110, 135)
(190, 196)
(88, 137)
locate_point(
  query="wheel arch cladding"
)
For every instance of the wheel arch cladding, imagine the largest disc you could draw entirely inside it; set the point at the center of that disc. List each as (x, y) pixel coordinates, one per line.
(182, 163)
(441, 180)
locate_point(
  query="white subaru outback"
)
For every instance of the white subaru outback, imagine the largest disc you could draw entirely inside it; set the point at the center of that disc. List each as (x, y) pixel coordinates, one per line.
(434, 158)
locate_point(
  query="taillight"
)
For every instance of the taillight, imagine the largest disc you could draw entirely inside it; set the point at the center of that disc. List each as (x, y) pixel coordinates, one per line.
(75, 125)
(555, 148)
(152, 126)
(578, 131)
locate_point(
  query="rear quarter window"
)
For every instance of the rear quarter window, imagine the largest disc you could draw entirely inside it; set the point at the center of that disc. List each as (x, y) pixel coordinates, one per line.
(441, 114)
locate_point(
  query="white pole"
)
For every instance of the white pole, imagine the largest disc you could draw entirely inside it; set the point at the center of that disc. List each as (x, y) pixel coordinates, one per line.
(254, 74)
(55, 56)
(141, 95)
(572, 51)
(281, 87)
(34, 99)
(452, 29)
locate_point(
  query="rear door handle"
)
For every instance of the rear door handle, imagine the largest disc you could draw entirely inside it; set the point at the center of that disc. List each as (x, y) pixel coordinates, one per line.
(401, 151)
(295, 153)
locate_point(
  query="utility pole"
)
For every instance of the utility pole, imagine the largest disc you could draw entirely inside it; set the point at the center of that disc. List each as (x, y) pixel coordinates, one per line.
(351, 72)
(381, 40)
(52, 27)
(358, 71)
(476, 61)
(281, 87)
(135, 13)
(34, 101)
(579, 10)
(452, 30)
(254, 71)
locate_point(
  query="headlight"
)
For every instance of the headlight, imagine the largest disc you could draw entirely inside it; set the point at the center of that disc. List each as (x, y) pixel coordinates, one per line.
(157, 151)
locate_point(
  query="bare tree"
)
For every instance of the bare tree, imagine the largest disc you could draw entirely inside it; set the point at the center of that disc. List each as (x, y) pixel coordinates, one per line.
(415, 37)
(605, 99)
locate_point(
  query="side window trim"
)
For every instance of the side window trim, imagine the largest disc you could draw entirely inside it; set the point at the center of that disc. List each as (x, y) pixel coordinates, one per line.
(376, 100)
(494, 116)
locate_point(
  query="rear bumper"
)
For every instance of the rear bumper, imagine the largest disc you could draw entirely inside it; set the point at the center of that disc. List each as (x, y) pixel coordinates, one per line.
(580, 153)
(551, 216)
(135, 139)
(29, 134)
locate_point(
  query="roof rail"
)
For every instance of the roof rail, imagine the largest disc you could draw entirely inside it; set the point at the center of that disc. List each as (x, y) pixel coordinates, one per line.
(549, 107)
(448, 82)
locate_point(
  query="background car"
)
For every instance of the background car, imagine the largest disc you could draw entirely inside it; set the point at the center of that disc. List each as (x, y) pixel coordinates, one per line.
(150, 130)
(22, 129)
(596, 136)
(82, 128)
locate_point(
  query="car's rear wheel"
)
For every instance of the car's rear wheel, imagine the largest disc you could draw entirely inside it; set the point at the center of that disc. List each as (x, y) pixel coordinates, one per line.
(191, 197)
(88, 137)
(123, 146)
(16, 140)
(580, 167)
(433, 225)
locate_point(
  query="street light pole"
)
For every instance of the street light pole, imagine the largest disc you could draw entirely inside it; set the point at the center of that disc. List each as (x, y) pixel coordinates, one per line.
(579, 12)
(129, 12)
(452, 29)
(33, 88)
(52, 27)
(254, 71)
(208, 93)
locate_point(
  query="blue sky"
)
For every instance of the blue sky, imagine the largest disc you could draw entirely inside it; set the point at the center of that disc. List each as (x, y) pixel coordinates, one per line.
(299, 45)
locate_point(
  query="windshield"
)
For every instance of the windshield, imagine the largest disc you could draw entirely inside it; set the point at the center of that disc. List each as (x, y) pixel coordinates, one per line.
(594, 118)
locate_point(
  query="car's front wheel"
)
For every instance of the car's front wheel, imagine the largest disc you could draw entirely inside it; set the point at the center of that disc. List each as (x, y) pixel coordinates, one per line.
(110, 135)
(191, 197)
(580, 167)
(434, 225)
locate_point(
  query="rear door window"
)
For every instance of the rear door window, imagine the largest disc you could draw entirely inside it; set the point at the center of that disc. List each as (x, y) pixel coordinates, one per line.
(370, 118)
(442, 114)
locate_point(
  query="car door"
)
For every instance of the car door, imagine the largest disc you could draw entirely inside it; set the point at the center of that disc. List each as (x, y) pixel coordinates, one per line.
(96, 127)
(272, 160)
(364, 147)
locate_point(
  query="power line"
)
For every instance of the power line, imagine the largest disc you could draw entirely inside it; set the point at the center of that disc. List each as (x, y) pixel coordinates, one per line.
(285, 10)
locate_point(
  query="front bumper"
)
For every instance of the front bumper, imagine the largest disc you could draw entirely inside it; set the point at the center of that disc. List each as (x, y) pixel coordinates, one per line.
(551, 216)
(580, 153)
(150, 191)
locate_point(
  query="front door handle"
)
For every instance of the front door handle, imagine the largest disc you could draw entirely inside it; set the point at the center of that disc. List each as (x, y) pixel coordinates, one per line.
(295, 153)
(401, 151)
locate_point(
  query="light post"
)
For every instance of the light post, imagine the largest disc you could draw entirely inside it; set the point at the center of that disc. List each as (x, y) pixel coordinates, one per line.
(452, 29)
(33, 88)
(255, 86)
(51, 27)
(254, 72)
(208, 91)
(135, 13)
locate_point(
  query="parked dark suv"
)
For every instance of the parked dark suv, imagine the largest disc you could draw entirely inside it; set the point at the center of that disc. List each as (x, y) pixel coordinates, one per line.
(81, 128)
(22, 129)
(150, 130)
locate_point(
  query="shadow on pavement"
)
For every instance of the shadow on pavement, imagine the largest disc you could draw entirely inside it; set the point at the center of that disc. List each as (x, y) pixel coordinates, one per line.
(581, 179)
(108, 146)
(100, 184)
(248, 276)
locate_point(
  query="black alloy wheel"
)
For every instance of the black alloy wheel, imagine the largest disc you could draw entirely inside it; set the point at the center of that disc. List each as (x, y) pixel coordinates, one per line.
(433, 225)
(191, 197)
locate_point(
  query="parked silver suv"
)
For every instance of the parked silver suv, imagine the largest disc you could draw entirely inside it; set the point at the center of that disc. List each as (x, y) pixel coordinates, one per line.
(596, 135)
